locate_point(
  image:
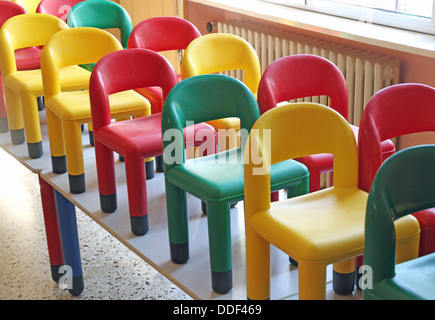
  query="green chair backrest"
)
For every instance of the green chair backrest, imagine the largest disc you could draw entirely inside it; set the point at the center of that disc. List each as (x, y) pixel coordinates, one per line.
(404, 184)
(102, 14)
(204, 98)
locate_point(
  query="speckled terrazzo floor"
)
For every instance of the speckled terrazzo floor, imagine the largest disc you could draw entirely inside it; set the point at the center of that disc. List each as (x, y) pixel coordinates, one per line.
(110, 270)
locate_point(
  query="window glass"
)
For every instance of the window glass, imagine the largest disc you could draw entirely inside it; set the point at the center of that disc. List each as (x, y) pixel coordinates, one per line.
(421, 8)
(407, 14)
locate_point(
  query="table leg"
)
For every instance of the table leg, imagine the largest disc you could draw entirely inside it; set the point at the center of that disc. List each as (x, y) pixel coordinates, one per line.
(70, 245)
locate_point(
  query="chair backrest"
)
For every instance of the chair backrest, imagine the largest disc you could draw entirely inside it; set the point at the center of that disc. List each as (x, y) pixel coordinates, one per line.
(404, 184)
(58, 8)
(73, 47)
(102, 14)
(25, 30)
(29, 5)
(163, 34)
(300, 76)
(203, 98)
(8, 10)
(124, 70)
(217, 52)
(392, 112)
(308, 128)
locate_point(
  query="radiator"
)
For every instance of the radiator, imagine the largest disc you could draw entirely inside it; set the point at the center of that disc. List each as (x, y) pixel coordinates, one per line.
(365, 72)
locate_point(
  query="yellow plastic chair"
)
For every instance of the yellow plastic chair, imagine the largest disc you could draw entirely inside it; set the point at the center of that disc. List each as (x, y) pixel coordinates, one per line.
(321, 228)
(29, 5)
(66, 111)
(102, 14)
(22, 87)
(220, 52)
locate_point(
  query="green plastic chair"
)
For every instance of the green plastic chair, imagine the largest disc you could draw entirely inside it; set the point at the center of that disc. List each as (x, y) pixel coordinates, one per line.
(217, 179)
(404, 184)
(102, 14)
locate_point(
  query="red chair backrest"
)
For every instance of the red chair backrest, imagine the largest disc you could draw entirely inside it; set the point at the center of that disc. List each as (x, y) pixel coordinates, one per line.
(163, 34)
(392, 112)
(300, 76)
(58, 8)
(8, 10)
(125, 70)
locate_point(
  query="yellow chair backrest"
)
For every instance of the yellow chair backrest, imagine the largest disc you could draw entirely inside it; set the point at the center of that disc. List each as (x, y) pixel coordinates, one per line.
(29, 5)
(25, 30)
(217, 52)
(73, 46)
(308, 128)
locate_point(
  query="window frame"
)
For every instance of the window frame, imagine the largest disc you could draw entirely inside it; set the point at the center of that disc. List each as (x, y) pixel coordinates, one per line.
(368, 15)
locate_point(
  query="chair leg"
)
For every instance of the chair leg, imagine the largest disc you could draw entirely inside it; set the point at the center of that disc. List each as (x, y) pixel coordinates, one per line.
(91, 134)
(4, 127)
(257, 266)
(159, 163)
(106, 178)
(359, 262)
(315, 180)
(343, 280)
(74, 156)
(70, 245)
(57, 146)
(32, 126)
(178, 228)
(15, 116)
(41, 103)
(295, 191)
(51, 228)
(137, 194)
(149, 168)
(312, 280)
(219, 233)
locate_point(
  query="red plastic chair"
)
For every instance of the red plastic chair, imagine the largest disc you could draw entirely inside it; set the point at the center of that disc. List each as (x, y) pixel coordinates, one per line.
(58, 8)
(299, 76)
(161, 34)
(26, 58)
(135, 139)
(395, 111)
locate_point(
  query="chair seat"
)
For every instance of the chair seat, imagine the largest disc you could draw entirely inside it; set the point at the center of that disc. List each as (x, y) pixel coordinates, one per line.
(141, 136)
(327, 225)
(323, 161)
(220, 176)
(72, 78)
(227, 123)
(74, 105)
(414, 279)
(28, 58)
(426, 218)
